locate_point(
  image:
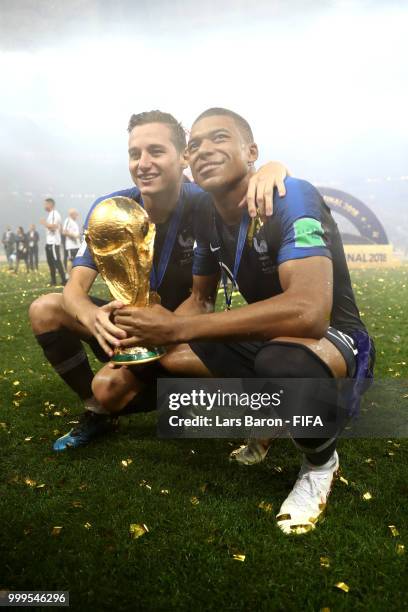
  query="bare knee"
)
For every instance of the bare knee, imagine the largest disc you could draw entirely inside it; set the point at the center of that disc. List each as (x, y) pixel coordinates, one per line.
(181, 360)
(46, 313)
(113, 389)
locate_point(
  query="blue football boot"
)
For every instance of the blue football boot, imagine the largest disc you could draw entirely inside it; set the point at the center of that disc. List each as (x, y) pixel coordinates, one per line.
(91, 425)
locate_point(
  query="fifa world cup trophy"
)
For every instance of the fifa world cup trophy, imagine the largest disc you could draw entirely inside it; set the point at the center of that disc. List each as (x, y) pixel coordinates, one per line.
(120, 238)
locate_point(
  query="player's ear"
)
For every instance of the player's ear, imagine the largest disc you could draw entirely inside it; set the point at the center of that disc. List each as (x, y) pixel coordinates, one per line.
(184, 159)
(252, 153)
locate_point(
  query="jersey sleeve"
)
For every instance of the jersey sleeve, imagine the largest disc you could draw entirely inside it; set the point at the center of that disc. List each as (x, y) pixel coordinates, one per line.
(204, 261)
(300, 214)
(84, 257)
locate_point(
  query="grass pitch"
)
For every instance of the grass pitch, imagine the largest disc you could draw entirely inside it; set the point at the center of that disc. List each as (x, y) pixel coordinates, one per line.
(199, 509)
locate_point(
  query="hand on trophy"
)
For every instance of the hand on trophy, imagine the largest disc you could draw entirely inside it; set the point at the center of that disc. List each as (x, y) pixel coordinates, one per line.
(150, 326)
(101, 326)
(121, 238)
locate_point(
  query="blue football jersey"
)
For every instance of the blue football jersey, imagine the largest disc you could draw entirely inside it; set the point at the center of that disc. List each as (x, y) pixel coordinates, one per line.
(301, 226)
(186, 257)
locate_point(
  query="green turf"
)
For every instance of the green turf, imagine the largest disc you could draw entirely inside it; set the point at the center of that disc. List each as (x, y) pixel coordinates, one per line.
(186, 561)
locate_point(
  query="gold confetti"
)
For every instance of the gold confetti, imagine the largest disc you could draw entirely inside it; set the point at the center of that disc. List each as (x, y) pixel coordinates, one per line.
(325, 609)
(393, 530)
(77, 504)
(324, 562)
(3, 425)
(16, 383)
(265, 506)
(301, 529)
(194, 500)
(29, 482)
(87, 525)
(400, 549)
(145, 484)
(56, 531)
(126, 462)
(57, 413)
(40, 486)
(367, 496)
(28, 439)
(342, 586)
(164, 492)
(344, 480)
(368, 460)
(278, 469)
(238, 557)
(137, 530)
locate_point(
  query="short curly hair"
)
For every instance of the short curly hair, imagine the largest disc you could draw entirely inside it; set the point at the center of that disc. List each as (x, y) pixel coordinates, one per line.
(241, 123)
(155, 116)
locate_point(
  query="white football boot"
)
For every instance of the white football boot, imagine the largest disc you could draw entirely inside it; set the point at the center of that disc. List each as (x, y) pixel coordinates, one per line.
(306, 502)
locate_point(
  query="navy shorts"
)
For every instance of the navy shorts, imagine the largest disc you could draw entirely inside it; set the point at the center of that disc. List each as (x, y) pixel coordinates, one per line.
(236, 359)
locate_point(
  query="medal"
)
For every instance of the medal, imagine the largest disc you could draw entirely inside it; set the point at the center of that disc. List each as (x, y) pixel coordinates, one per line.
(243, 230)
(156, 276)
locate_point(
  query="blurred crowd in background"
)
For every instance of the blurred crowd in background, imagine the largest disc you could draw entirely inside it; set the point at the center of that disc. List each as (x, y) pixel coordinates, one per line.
(62, 241)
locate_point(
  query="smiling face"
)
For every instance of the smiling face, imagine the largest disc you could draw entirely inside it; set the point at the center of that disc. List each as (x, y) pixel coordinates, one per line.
(218, 153)
(154, 162)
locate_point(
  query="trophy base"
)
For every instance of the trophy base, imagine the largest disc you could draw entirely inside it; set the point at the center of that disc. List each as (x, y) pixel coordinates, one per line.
(137, 355)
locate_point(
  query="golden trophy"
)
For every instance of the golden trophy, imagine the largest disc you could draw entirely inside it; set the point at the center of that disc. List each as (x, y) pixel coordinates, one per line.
(120, 238)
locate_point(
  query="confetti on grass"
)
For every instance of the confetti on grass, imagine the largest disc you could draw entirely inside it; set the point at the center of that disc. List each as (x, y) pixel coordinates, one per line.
(145, 484)
(29, 482)
(56, 530)
(342, 586)
(137, 530)
(393, 530)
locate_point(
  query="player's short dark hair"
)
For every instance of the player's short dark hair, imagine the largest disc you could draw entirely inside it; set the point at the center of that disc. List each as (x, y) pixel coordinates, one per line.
(178, 134)
(51, 200)
(241, 123)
